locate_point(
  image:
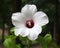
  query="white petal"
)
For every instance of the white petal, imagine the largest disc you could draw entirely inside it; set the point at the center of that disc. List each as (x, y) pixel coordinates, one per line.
(44, 20)
(17, 31)
(29, 9)
(34, 32)
(33, 8)
(34, 37)
(41, 18)
(18, 19)
(21, 31)
(24, 33)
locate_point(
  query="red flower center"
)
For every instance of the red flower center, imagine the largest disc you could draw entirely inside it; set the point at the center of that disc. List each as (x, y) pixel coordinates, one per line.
(29, 23)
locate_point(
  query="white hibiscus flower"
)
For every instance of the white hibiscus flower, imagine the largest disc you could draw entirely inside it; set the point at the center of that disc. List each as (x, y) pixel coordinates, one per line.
(29, 22)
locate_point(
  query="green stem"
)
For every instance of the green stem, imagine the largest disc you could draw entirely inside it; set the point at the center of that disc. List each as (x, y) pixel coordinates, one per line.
(28, 43)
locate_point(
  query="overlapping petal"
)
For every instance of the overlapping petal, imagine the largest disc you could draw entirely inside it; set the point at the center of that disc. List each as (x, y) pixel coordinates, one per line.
(18, 19)
(41, 18)
(34, 32)
(20, 31)
(17, 31)
(29, 10)
(24, 33)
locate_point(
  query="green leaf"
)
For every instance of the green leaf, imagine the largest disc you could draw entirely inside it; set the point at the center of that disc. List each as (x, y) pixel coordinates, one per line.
(23, 40)
(18, 46)
(8, 43)
(42, 42)
(11, 36)
(48, 39)
(54, 45)
(12, 30)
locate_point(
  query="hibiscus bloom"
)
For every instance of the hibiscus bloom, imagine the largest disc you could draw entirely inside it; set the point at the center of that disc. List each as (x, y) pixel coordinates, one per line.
(29, 22)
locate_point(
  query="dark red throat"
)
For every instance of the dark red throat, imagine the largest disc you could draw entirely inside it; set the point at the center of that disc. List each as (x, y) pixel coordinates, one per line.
(29, 23)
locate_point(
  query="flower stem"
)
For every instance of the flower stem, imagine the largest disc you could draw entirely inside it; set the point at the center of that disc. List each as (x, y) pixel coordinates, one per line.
(28, 43)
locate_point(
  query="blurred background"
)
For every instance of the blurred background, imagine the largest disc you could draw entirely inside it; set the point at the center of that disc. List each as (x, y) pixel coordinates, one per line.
(50, 7)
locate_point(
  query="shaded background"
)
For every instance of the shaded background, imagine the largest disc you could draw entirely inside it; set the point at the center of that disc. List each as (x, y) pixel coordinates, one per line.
(50, 7)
